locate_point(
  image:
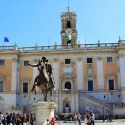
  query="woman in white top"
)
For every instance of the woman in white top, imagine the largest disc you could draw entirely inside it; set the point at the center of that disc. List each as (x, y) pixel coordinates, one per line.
(88, 120)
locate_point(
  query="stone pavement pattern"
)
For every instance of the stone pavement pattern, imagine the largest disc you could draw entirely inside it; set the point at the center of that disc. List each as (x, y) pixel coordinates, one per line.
(114, 122)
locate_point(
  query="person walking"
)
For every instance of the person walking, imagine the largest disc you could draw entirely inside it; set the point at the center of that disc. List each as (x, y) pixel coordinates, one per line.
(92, 118)
(88, 119)
(52, 122)
(75, 119)
(79, 119)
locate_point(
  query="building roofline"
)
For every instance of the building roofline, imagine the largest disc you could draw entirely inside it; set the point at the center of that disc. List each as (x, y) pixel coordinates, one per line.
(95, 46)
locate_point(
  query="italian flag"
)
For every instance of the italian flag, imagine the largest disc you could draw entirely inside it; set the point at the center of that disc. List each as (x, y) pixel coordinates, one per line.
(68, 38)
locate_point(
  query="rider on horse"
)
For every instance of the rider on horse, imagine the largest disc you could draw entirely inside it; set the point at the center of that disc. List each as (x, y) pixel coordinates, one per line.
(48, 70)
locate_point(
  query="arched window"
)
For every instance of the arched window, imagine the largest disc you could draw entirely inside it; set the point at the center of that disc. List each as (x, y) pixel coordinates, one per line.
(67, 85)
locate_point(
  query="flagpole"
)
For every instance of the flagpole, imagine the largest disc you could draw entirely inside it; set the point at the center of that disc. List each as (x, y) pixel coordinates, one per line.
(3, 43)
(85, 39)
(5, 40)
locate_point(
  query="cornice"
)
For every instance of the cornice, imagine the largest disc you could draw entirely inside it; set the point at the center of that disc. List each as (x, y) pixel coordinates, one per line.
(9, 57)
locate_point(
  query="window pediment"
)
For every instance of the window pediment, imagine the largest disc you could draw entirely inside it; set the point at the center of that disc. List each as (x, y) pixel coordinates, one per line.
(2, 77)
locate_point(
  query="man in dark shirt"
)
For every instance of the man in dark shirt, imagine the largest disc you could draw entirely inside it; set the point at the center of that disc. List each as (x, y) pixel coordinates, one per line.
(49, 71)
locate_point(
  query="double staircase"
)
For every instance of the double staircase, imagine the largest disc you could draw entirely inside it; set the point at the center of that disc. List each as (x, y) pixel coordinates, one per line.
(88, 103)
(10, 109)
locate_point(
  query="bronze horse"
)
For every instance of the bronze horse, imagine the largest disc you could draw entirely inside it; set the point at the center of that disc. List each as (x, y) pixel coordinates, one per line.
(43, 83)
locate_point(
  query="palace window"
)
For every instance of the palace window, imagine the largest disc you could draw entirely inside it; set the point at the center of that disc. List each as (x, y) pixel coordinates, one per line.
(2, 61)
(1, 86)
(67, 85)
(109, 60)
(26, 63)
(90, 85)
(25, 87)
(67, 61)
(111, 84)
(89, 60)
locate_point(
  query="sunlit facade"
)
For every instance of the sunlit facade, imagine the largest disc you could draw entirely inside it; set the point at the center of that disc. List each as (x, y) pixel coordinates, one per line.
(87, 76)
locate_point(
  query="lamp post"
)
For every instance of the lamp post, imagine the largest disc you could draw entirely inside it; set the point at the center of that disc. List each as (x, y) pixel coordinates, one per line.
(103, 114)
(58, 101)
(57, 92)
(104, 110)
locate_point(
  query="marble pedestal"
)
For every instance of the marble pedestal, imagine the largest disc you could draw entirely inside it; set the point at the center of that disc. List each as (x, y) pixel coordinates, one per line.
(44, 111)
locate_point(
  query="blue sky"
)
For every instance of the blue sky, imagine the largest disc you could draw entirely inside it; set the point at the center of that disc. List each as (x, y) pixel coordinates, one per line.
(27, 22)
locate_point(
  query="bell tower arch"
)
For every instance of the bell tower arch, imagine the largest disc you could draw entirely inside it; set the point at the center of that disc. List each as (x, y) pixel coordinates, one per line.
(68, 29)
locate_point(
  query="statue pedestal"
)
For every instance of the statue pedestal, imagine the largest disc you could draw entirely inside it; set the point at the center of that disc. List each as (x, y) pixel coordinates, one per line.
(44, 111)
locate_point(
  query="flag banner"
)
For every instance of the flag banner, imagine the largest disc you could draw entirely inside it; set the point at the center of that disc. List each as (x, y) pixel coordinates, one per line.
(68, 38)
(6, 39)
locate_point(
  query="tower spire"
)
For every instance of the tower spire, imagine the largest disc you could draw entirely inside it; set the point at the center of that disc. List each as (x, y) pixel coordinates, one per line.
(68, 6)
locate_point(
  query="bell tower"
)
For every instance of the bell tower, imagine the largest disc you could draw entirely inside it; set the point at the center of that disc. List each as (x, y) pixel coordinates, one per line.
(68, 29)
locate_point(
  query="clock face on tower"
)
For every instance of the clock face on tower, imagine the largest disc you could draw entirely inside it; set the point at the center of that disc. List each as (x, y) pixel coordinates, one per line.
(68, 31)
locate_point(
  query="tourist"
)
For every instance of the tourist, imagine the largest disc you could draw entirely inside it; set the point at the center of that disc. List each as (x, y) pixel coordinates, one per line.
(92, 118)
(52, 122)
(88, 119)
(75, 119)
(47, 122)
(79, 119)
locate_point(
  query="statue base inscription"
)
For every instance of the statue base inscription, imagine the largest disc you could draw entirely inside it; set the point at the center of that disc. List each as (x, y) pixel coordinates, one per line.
(44, 111)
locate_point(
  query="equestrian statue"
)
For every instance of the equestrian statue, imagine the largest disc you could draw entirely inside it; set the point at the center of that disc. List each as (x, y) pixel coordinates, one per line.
(44, 80)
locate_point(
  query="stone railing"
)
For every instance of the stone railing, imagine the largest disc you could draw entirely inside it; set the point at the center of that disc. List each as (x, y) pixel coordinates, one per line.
(65, 47)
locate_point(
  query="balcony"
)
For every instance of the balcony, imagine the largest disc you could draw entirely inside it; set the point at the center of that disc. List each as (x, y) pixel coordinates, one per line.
(67, 68)
(67, 75)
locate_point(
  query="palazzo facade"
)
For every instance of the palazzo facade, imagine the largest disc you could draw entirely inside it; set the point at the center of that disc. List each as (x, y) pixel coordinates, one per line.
(87, 76)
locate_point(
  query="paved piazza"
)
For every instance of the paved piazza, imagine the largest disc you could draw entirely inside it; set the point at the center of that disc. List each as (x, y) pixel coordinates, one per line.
(114, 122)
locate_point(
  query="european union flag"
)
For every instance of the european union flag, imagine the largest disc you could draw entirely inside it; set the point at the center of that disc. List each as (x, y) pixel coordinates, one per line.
(6, 39)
